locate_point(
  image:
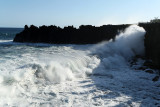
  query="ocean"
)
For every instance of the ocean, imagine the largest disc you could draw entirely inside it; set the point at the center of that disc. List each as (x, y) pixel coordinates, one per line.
(70, 75)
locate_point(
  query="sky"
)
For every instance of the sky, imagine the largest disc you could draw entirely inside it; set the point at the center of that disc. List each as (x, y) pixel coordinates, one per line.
(17, 13)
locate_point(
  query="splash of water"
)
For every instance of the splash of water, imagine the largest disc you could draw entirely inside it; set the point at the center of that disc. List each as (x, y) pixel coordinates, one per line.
(115, 54)
(32, 73)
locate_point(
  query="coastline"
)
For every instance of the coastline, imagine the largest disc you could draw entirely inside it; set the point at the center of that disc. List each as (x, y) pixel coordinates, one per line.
(88, 34)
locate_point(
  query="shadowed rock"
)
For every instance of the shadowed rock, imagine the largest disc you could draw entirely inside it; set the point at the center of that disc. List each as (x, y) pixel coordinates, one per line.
(88, 34)
(156, 78)
(152, 43)
(85, 34)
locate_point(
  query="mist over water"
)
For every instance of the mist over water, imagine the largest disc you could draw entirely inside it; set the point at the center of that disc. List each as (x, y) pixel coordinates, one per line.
(34, 74)
(26, 71)
(116, 53)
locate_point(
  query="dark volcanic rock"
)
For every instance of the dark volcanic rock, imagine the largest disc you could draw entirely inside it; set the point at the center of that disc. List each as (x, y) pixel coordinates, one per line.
(149, 71)
(149, 64)
(152, 42)
(156, 78)
(85, 34)
(142, 68)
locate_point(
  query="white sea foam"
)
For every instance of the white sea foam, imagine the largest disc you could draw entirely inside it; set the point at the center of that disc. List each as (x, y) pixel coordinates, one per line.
(116, 53)
(57, 75)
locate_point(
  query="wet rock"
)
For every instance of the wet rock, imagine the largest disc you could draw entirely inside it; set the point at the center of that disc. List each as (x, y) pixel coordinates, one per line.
(152, 42)
(156, 78)
(134, 60)
(149, 71)
(142, 68)
(149, 64)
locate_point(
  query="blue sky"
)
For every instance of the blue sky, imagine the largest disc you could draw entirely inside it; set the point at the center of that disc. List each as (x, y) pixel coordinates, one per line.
(17, 13)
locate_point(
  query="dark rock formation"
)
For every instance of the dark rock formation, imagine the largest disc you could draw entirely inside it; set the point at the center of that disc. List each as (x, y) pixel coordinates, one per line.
(149, 71)
(85, 34)
(152, 43)
(156, 78)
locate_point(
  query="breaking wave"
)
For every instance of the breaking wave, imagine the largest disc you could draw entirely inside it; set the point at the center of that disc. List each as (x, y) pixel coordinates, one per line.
(116, 53)
(27, 70)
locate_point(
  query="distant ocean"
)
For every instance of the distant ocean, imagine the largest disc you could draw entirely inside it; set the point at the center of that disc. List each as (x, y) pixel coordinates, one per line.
(49, 75)
(9, 33)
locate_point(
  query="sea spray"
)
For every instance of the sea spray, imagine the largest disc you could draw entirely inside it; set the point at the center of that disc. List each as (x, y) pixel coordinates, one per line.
(61, 63)
(34, 75)
(115, 53)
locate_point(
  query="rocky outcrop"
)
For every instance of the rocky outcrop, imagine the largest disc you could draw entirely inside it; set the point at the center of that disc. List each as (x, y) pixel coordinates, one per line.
(85, 34)
(152, 42)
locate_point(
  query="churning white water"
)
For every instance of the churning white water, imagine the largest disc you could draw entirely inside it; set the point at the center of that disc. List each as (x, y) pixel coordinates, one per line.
(116, 53)
(76, 75)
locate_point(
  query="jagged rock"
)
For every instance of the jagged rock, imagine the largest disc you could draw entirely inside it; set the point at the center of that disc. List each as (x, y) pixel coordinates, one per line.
(156, 78)
(85, 34)
(149, 71)
(149, 64)
(152, 42)
(141, 68)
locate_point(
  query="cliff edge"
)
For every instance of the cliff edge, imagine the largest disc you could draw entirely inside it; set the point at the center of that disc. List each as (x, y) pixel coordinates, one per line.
(85, 34)
(152, 42)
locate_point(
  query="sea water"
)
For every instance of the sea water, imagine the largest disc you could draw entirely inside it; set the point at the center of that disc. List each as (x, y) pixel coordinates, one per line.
(75, 75)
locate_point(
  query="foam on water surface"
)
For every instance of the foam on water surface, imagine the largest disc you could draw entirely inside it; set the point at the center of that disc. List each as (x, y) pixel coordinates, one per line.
(76, 75)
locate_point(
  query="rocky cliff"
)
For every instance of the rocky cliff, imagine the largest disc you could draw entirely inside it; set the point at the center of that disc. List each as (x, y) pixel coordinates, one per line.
(152, 42)
(68, 35)
(90, 34)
